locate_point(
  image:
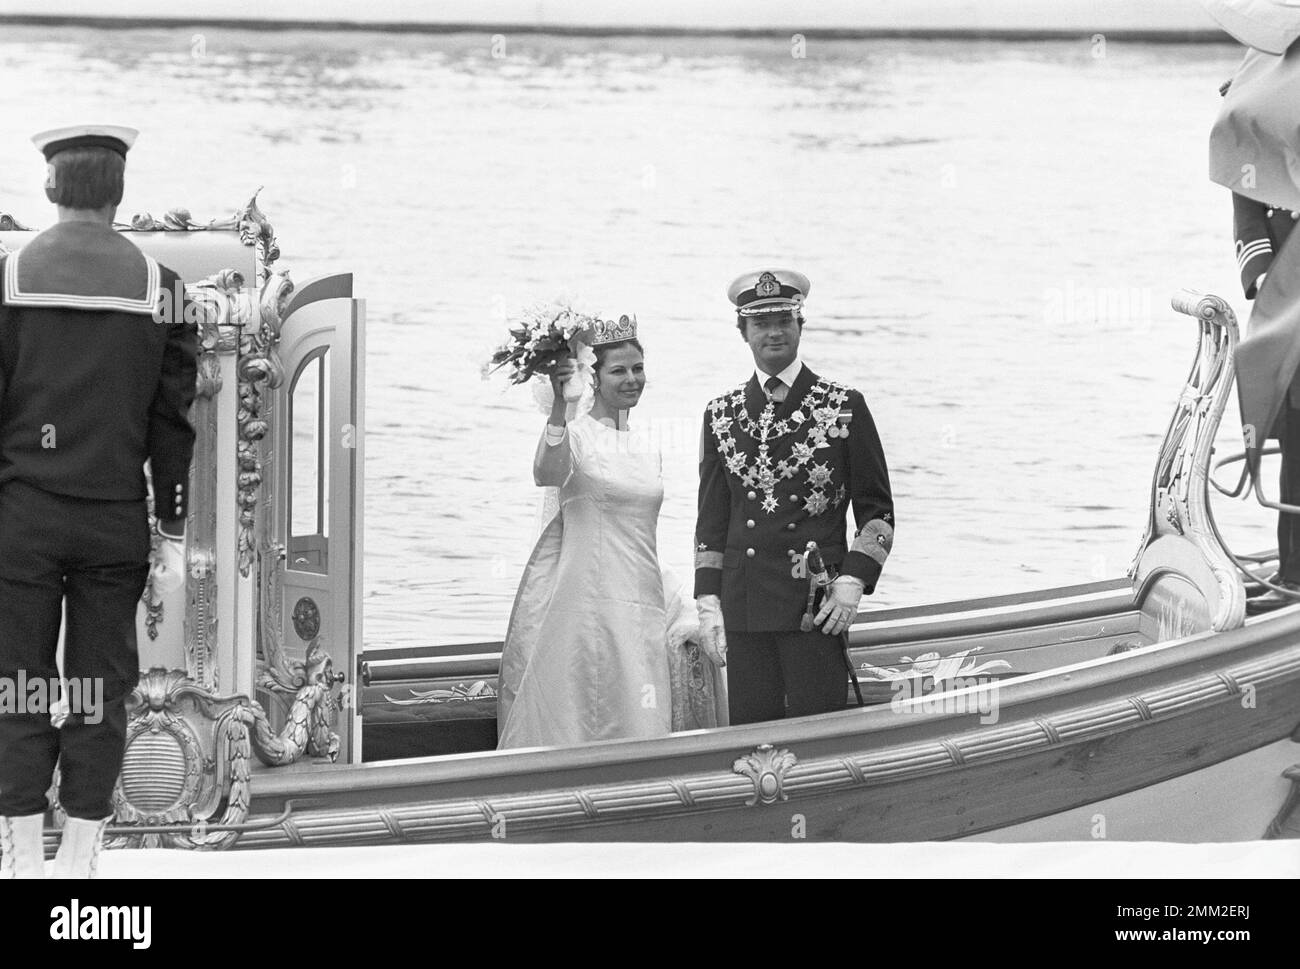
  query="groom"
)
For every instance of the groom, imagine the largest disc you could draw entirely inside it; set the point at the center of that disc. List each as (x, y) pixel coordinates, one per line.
(782, 458)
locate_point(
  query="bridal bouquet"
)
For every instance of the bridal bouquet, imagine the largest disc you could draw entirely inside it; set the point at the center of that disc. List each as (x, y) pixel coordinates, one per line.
(539, 339)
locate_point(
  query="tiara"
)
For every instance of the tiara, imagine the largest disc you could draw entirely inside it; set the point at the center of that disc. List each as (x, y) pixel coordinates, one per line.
(613, 331)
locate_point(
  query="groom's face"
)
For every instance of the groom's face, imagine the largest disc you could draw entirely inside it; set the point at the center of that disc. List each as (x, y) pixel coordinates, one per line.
(773, 338)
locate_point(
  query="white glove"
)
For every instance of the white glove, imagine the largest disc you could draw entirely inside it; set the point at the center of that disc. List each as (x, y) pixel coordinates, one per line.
(168, 566)
(713, 636)
(840, 605)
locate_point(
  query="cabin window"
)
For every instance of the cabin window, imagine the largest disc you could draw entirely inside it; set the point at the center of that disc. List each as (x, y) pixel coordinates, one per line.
(309, 397)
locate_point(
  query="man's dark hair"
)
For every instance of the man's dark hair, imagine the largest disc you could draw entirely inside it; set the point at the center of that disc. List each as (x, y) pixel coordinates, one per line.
(740, 323)
(85, 178)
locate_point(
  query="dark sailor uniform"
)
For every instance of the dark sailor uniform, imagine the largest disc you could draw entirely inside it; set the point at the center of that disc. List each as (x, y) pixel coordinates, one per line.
(1260, 231)
(774, 476)
(97, 375)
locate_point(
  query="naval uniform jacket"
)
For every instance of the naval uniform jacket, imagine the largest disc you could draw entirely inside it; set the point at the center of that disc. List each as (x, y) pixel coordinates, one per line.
(772, 478)
(97, 370)
(1260, 231)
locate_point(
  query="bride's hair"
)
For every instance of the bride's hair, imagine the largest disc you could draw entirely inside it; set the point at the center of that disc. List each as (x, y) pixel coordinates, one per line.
(602, 349)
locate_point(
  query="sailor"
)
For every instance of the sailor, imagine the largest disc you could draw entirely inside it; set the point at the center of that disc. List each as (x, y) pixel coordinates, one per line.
(1252, 139)
(783, 457)
(97, 374)
(1260, 231)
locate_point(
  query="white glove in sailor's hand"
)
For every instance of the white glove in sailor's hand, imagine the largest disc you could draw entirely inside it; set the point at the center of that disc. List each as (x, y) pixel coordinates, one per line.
(840, 605)
(168, 564)
(713, 638)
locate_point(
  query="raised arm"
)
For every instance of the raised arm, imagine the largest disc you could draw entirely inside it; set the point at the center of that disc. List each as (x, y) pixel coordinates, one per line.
(554, 459)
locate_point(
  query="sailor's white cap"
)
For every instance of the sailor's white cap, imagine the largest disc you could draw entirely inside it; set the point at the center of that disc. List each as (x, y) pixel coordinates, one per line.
(1270, 26)
(117, 137)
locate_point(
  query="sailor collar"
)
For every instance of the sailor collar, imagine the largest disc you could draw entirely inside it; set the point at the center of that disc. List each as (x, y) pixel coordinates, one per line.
(82, 266)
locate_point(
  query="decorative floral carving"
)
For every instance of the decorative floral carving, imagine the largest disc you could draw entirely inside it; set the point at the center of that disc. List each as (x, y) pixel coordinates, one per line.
(211, 766)
(211, 741)
(766, 767)
(460, 693)
(254, 228)
(937, 667)
(153, 604)
(258, 370)
(310, 681)
(308, 730)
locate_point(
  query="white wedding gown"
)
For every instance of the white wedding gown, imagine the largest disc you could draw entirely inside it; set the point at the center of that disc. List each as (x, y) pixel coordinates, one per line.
(594, 648)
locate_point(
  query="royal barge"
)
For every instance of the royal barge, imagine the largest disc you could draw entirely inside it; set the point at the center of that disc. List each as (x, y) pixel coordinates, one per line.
(1146, 707)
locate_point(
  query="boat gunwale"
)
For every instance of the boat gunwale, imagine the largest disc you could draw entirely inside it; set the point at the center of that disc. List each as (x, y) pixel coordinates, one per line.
(1149, 668)
(1083, 601)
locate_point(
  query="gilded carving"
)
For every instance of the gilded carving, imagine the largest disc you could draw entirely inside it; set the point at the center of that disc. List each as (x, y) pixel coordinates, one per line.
(460, 693)
(153, 604)
(259, 371)
(208, 763)
(253, 227)
(310, 682)
(766, 767)
(1179, 504)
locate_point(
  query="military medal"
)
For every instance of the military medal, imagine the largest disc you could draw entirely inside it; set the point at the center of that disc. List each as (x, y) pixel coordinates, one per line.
(820, 412)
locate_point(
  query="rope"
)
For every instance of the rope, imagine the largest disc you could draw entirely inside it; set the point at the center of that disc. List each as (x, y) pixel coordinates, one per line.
(1250, 576)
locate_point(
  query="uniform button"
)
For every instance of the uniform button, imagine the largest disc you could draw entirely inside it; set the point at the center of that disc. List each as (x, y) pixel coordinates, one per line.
(794, 497)
(750, 523)
(749, 552)
(752, 495)
(179, 489)
(1269, 213)
(1295, 215)
(791, 552)
(790, 527)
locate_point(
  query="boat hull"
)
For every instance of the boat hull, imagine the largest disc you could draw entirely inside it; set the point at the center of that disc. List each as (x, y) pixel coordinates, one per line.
(1060, 741)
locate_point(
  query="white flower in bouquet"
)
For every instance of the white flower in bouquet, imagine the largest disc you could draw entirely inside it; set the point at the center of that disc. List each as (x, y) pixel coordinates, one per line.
(539, 338)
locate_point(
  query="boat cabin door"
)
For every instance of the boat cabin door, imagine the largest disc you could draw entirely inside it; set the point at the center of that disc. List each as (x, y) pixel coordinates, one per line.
(315, 589)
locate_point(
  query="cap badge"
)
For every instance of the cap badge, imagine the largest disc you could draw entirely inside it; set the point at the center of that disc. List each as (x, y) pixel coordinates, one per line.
(767, 286)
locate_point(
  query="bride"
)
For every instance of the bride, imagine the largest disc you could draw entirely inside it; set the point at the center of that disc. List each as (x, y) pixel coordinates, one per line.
(594, 649)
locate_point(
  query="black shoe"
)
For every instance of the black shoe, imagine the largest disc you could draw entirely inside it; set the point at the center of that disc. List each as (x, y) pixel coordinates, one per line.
(1256, 589)
(1273, 600)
